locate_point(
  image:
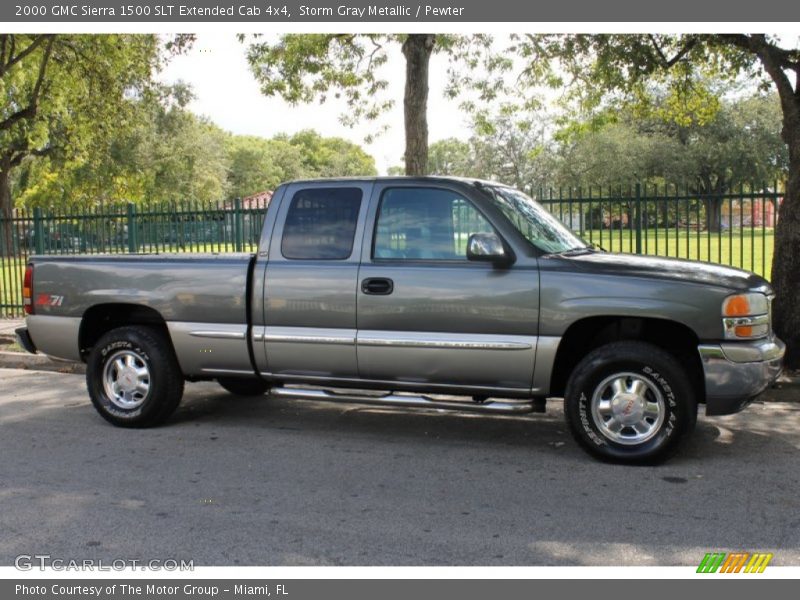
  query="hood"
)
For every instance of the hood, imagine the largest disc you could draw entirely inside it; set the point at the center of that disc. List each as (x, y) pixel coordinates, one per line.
(636, 265)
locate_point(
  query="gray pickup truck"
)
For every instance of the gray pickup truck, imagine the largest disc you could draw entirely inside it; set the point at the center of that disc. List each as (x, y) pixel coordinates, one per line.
(429, 292)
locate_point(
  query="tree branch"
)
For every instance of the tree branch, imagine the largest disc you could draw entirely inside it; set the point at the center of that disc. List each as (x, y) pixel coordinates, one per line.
(29, 112)
(12, 60)
(668, 63)
(771, 57)
(20, 155)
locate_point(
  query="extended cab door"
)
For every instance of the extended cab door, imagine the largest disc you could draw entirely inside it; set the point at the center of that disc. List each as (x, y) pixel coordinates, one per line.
(311, 279)
(426, 314)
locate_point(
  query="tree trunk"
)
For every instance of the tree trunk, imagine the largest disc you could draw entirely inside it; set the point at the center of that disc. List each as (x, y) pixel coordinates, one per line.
(786, 259)
(6, 230)
(714, 214)
(417, 49)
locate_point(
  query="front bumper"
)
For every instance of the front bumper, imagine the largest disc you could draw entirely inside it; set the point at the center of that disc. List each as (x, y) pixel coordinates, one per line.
(737, 372)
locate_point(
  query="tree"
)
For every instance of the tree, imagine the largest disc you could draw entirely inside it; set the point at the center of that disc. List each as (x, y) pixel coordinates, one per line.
(737, 144)
(451, 156)
(603, 68)
(330, 156)
(258, 164)
(61, 90)
(510, 145)
(506, 144)
(309, 67)
(163, 153)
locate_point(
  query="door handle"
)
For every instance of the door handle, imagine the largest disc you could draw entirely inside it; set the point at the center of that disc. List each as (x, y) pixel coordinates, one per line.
(377, 286)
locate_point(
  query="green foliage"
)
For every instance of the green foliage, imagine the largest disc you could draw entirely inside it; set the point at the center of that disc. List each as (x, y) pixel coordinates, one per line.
(304, 68)
(450, 156)
(63, 96)
(168, 154)
(165, 153)
(258, 164)
(330, 157)
(507, 144)
(740, 144)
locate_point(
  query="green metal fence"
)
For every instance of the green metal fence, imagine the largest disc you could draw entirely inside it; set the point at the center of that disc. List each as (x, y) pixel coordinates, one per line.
(734, 228)
(231, 226)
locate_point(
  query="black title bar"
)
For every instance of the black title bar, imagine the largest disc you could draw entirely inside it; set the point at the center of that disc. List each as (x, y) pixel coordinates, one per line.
(430, 11)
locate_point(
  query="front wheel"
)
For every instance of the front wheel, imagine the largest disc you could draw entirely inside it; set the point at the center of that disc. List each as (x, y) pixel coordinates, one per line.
(630, 402)
(133, 377)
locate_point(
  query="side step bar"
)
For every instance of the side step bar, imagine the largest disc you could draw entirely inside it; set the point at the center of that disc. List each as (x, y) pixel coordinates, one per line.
(410, 401)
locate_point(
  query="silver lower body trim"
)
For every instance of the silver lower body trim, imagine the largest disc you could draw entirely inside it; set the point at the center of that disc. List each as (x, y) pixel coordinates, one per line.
(384, 384)
(212, 371)
(397, 339)
(219, 335)
(403, 401)
(55, 336)
(205, 348)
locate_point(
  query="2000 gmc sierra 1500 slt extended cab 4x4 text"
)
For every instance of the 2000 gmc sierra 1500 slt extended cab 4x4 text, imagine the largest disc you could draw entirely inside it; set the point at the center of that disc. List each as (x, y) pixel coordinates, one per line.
(406, 292)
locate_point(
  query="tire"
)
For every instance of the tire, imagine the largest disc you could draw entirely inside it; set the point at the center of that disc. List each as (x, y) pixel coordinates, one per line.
(630, 403)
(133, 377)
(244, 386)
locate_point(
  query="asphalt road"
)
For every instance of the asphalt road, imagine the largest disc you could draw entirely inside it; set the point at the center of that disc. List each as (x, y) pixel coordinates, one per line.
(260, 481)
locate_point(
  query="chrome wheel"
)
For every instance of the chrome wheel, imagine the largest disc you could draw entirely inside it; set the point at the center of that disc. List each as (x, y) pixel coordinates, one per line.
(126, 379)
(627, 408)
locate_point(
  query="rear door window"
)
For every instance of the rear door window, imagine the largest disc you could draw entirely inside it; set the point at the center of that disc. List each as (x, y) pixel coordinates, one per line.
(321, 224)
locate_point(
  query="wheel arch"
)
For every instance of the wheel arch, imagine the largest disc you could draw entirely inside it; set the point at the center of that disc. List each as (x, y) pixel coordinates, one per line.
(587, 334)
(102, 318)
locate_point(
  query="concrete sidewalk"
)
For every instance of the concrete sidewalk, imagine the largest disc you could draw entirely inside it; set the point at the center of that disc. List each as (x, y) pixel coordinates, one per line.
(7, 326)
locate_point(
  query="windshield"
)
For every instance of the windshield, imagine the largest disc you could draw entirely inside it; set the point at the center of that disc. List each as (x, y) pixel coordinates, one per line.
(533, 221)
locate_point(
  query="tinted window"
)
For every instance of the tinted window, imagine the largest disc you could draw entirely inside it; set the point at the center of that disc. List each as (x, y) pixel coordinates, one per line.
(321, 224)
(426, 224)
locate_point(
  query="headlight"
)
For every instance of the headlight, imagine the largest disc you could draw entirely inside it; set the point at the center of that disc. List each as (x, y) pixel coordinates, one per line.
(746, 316)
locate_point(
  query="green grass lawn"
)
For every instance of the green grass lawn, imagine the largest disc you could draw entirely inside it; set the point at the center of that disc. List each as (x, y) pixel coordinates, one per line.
(745, 250)
(750, 251)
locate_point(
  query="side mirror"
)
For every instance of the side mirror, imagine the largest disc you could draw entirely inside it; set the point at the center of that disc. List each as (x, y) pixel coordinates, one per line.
(487, 247)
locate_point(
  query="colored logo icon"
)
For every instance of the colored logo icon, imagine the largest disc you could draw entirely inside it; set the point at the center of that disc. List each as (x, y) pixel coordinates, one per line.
(734, 562)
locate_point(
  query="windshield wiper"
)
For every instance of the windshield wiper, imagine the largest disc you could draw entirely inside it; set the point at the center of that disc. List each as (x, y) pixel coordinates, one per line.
(575, 250)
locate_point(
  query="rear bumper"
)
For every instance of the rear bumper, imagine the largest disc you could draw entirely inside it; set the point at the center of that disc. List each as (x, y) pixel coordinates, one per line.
(737, 372)
(24, 339)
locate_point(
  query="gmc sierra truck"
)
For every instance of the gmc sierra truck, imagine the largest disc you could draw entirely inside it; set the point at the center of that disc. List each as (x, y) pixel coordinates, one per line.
(431, 292)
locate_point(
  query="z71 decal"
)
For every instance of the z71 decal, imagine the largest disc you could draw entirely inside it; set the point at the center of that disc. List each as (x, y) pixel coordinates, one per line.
(49, 300)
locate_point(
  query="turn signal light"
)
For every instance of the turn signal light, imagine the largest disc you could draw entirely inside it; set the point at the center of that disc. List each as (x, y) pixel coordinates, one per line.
(736, 306)
(745, 305)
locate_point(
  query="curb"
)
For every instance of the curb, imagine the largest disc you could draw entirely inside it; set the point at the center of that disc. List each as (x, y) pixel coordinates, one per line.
(38, 362)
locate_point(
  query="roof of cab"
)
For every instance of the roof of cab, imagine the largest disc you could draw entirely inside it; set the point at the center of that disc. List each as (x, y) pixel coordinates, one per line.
(403, 178)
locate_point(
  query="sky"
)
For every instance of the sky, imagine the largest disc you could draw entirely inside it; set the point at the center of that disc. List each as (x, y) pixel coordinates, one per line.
(227, 93)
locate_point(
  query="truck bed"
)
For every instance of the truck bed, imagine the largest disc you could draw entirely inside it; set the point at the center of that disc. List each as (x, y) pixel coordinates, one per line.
(202, 299)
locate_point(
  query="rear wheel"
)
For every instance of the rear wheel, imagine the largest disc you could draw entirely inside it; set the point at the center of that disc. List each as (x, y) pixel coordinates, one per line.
(244, 386)
(133, 377)
(630, 402)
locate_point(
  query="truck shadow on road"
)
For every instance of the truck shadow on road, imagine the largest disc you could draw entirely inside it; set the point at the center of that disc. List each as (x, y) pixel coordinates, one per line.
(724, 438)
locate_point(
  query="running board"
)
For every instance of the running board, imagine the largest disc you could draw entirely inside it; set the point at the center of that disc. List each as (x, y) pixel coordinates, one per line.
(410, 401)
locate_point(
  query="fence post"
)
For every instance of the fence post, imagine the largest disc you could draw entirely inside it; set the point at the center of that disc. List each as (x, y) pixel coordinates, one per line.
(238, 225)
(132, 245)
(38, 231)
(638, 217)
